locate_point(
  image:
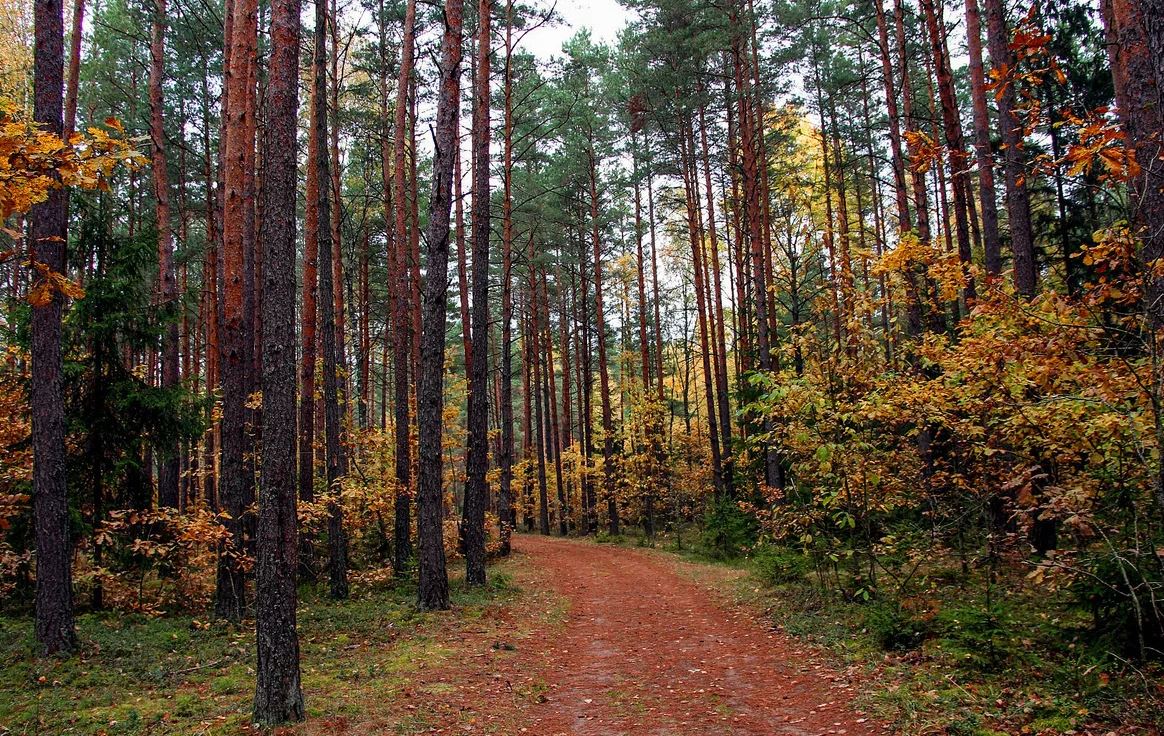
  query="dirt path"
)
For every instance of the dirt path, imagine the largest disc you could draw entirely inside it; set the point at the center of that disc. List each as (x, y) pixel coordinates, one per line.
(609, 641)
(646, 651)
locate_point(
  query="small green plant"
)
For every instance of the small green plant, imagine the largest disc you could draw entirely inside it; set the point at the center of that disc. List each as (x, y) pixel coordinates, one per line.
(780, 565)
(727, 530)
(894, 628)
(979, 637)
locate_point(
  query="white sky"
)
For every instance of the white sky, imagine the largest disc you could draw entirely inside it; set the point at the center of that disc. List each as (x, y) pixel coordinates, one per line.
(604, 18)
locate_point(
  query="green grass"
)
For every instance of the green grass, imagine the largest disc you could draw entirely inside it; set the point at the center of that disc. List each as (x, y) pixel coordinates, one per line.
(1029, 668)
(178, 675)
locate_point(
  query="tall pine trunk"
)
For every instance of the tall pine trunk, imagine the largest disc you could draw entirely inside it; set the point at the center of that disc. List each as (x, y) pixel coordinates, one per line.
(952, 127)
(236, 482)
(337, 563)
(433, 589)
(1018, 205)
(402, 337)
(278, 695)
(901, 196)
(477, 460)
(54, 577)
(505, 504)
(168, 470)
(608, 480)
(310, 314)
(991, 241)
(1137, 28)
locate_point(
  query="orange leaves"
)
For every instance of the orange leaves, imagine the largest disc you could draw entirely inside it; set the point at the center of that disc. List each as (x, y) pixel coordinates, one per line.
(33, 162)
(49, 283)
(1120, 277)
(1102, 149)
(925, 151)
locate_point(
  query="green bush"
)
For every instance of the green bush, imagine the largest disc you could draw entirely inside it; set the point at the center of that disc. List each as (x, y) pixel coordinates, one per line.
(895, 629)
(978, 637)
(780, 565)
(1117, 595)
(727, 530)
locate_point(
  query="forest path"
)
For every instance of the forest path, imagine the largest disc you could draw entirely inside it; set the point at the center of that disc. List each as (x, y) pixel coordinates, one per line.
(609, 641)
(645, 649)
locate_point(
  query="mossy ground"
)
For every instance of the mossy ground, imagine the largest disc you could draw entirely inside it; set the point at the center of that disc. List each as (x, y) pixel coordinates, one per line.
(187, 674)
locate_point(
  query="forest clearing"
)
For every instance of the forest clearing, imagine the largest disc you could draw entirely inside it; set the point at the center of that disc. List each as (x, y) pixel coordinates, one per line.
(582, 367)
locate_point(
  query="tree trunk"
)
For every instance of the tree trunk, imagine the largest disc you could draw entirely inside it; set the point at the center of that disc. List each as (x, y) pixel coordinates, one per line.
(990, 239)
(74, 67)
(167, 286)
(608, 484)
(462, 270)
(278, 695)
(901, 197)
(640, 271)
(690, 186)
(655, 284)
(952, 126)
(754, 215)
(337, 564)
(310, 313)
(505, 506)
(54, 577)
(1017, 198)
(566, 428)
(553, 425)
(433, 589)
(399, 294)
(715, 307)
(920, 197)
(1137, 27)
(230, 598)
(586, 390)
(477, 460)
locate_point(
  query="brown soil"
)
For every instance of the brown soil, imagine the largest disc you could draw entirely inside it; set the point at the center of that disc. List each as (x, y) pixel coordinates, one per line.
(646, 651)
(608, 641)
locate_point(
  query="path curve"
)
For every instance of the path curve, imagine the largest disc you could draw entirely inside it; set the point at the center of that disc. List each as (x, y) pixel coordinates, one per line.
(645, 650)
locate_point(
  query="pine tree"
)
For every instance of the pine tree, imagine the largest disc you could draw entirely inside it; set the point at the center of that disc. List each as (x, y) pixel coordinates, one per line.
(278, 695)
(433, 589)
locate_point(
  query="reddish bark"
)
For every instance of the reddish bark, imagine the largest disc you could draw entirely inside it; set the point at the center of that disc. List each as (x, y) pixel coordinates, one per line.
(952, 126)
(1137, 29)
(399, 294)
(600, 334)
(235, 490)
(167, 286)
(71, 82)
(990, 238)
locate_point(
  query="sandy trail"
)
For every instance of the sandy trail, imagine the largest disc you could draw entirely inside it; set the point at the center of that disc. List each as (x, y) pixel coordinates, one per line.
(646, 651)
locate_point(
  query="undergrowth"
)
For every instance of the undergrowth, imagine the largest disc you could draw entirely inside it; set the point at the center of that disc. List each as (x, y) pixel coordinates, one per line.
(950, 660)
(183, 674)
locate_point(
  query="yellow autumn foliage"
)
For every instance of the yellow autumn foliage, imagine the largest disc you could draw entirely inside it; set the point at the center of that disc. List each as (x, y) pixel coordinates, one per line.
(33, 161)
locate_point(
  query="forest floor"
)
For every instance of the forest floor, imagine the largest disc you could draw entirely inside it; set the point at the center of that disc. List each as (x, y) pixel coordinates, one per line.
(615, 641)
(570, 637)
